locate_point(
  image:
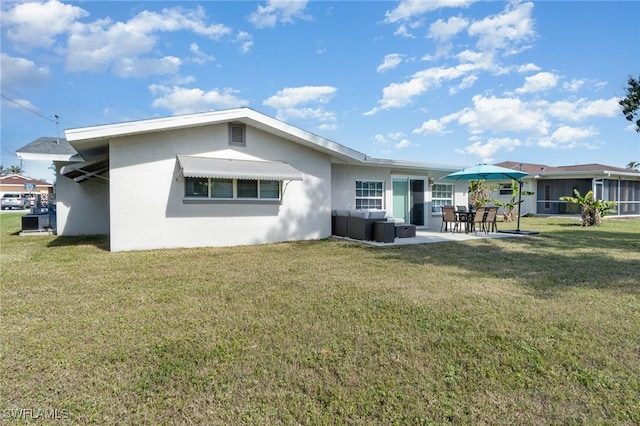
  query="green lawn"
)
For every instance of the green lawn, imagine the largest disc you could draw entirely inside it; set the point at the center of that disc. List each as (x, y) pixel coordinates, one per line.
(536, 330)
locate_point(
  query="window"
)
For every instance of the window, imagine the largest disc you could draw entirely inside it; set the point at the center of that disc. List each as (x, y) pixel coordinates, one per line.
(505, 189)
(237, 134)
(197, 187)
(369, 194)
(441, 195)
(231, 189)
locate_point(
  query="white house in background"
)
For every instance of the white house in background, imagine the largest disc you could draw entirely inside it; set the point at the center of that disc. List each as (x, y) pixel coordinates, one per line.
(230, 177)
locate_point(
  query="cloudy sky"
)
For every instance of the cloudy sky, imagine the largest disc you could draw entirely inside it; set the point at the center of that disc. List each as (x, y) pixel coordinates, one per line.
(453, 81)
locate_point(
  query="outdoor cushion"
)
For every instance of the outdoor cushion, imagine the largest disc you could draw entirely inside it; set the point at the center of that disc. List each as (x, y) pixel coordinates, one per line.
(358, 213)
(377, 214)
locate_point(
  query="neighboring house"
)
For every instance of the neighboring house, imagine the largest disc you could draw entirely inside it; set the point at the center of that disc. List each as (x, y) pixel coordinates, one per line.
(227, 178)
(549, 183)
(16, 183)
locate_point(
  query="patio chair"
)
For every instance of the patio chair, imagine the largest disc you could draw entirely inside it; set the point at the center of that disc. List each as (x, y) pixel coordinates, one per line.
(462, 214)
(490, 221)
(449, 216)
(478, 220)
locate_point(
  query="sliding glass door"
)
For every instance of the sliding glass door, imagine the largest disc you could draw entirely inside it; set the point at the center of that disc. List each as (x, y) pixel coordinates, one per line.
(408, 200)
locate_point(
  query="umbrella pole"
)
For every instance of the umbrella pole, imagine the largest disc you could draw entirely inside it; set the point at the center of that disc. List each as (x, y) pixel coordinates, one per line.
(519, 202)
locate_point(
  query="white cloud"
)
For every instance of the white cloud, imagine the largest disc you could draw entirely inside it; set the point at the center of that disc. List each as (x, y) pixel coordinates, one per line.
(245, 40)
(487, 150)
(444, 31)
(538, 82)
(283, 11)
(430, 126)
(581, 109)
(404, 143)
(410, 9)
(292, 103)
(398, 95)
(20, 72)
(294, 96)
(573, 85)
(528, 68)
(199, 56)
(127, 48)
(466, 83)
(182, 100)
(36, 24)
(505, 31)
(503, 115)
(402, 31)
(567, 137)
(390, 62)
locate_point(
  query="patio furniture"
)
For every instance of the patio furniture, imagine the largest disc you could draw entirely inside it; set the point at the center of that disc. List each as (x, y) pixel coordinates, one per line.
(478, 220)
(463, 217)
(356, 223)
(405, 230)
(490, 220)
(384, 232)
(449, 216)
(339, 222)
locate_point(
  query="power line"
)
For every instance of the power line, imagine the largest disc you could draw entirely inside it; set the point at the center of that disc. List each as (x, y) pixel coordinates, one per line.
(28, 109)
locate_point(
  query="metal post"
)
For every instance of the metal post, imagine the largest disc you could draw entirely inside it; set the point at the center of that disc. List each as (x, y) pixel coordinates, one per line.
(519, 202)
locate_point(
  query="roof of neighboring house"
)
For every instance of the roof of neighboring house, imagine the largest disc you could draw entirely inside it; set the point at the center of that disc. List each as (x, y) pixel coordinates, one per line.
(47, 148)
(577, 169)
(19, 180)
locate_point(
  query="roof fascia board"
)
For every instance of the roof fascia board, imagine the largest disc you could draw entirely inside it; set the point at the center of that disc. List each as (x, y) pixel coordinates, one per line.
(585, 174)
(44, 157)
(412, 165)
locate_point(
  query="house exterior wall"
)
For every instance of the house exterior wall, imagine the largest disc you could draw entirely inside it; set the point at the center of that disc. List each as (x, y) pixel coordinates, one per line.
(81, 208)
(344, 179)
(147, 192)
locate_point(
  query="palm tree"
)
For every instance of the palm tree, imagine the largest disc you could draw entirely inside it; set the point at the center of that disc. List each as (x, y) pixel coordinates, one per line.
(633, 165)
(13, 170)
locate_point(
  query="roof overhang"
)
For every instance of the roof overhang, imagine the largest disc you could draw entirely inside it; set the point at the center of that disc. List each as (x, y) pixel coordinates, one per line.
(88, 170)
(28, 156)
(222, 168)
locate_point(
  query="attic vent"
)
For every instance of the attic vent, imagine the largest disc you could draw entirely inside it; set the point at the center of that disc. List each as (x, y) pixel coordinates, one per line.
(237, 134)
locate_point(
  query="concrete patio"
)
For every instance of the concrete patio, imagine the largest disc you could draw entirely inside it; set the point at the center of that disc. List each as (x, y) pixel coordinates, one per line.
(424, 236)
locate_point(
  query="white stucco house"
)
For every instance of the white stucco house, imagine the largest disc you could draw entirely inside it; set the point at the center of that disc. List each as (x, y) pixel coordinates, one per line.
(231, 177)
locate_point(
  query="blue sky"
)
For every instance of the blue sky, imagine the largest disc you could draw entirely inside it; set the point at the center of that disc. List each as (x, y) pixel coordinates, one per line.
(454, 81)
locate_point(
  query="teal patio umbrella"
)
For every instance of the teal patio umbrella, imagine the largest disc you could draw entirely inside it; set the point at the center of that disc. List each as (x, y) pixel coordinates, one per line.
(491, 172)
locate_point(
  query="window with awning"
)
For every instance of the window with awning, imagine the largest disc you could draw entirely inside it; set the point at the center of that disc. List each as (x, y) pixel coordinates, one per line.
(207, 167)
(219, 179)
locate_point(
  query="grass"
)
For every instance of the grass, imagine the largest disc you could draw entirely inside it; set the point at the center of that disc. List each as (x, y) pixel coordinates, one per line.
(535, 330)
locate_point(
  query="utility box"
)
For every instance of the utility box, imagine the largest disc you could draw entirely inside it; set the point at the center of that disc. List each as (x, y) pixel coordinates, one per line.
(35, 222)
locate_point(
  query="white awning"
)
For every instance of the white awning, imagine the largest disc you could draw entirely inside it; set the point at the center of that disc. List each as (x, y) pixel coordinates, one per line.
(222, 168)
(88, 170)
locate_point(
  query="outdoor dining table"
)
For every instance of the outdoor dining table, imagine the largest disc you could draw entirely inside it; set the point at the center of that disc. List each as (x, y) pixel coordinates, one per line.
(466, 217)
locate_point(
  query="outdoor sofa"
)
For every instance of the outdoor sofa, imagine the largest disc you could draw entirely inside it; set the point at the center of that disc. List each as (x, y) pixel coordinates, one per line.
(356, 223)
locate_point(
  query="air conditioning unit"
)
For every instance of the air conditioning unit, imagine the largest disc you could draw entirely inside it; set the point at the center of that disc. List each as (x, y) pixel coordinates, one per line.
(35, 222)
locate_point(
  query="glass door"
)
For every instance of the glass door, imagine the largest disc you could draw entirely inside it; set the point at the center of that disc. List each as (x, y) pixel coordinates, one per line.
(408, 200)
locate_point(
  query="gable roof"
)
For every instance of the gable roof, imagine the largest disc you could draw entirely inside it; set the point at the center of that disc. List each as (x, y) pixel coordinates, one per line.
(93, 141)
(47, 148)
(593, 169)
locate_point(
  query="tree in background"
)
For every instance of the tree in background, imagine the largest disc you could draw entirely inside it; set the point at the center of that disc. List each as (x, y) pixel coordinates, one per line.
(633, 165)
(592, 210)
(631, 103)
(509, 208)
(479, 193)
(10, 170)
